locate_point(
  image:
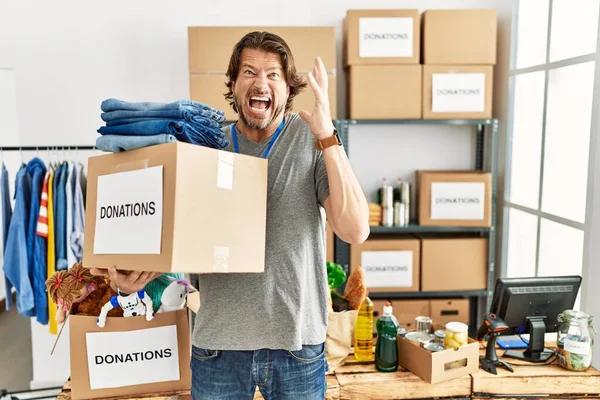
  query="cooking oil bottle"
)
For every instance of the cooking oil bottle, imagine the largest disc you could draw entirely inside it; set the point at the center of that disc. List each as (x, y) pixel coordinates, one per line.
(363, 332)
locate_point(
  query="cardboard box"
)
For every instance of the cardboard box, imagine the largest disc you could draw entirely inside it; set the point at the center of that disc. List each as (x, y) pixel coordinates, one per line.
(452, 310)
(459, 36)
(457, 91)
(385, 91)
(382, 37)
(406, 311)
(111, 361)
(329, 243)
(210, 89)
(195, 209)
(454, 264)
(454, 198)
(439, 366)
(210, 47)
(391, 265)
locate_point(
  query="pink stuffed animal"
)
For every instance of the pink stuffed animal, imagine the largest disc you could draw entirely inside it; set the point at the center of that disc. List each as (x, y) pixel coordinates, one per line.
(174, 296)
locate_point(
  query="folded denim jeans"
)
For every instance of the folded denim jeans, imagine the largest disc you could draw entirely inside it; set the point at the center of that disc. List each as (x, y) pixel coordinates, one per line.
(119, 143)
(115, 105)
(195, 120)
(185, 114)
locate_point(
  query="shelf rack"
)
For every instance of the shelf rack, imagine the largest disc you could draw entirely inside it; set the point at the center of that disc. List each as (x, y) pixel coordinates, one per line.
(486, 130)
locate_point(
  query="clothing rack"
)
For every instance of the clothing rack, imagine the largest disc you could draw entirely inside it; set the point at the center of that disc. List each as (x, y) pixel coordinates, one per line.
(45, 148)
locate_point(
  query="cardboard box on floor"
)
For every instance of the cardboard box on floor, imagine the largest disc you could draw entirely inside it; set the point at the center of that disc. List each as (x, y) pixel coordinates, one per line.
(210, 49)
(457, 91)
(453, 263)
(129, 356)
(459, 36)
(176, 207)
(385, 91)
(454, 198)
(377, 37)
(390, 265)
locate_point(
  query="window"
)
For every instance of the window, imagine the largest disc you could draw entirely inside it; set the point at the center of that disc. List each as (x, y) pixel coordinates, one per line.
(552, 80)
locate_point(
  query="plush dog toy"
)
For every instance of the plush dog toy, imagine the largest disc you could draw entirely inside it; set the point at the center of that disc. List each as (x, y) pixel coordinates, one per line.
(174, 296)
(133, 305)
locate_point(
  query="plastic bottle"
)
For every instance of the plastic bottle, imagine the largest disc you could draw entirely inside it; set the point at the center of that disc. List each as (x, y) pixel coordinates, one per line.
(386, 351)
(363, 332)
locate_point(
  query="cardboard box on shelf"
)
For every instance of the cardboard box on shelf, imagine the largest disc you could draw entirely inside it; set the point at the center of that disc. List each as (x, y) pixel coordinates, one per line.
(176, 207)
(385, 91)
(454, 198)
(129, 356)
(457, 91)
(439, 366)
(459, 36)
(406, 311)
(210, 89)
(382, 37)
(390, 265)
(449, 310)
(329, 243)
(454, 264)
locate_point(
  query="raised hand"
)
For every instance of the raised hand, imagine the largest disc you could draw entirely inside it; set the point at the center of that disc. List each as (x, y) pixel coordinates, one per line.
(320, 119)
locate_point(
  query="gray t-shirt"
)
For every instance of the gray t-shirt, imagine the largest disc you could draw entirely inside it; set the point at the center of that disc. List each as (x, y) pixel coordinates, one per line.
(286, 306)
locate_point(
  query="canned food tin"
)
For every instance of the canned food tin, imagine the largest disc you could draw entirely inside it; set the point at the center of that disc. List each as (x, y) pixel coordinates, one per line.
(402, 332)
(419, 337)
(423, 324)
(440, 336)
(433, 347)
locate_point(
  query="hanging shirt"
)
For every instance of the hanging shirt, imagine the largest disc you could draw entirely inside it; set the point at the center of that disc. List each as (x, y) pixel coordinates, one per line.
(16, 266)
(69, 194)
(6, 210)
(51, 255)
(61, 220)
(78, 213)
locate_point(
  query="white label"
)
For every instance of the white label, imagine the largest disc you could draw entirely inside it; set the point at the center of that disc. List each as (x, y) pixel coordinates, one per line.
(574, 347)
(388, 268)
(385, 37)
(117, 359)
(129, 212)
(458, 200)
(458, 92)
(225, 170)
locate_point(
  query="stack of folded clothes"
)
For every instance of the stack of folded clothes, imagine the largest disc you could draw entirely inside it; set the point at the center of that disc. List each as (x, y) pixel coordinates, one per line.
(374, 214)
(135, 125)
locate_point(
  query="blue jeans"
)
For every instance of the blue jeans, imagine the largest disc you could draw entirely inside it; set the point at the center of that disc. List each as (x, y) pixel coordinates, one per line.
(186, 114)
(279, 374)
(116, 104)
(118, 143)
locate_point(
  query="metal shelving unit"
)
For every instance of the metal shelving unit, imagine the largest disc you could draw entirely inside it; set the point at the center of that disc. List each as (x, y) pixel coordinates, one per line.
(486, 130)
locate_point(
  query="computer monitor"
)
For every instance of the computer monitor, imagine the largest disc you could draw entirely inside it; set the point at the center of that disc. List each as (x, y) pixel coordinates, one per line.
(532, 305)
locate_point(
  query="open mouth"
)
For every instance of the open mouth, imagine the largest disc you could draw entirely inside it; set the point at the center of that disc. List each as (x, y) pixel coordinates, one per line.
(259, 104)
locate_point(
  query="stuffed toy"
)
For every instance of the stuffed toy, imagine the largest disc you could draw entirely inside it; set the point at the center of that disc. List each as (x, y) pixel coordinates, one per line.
(174, 296)
(133, 305)
(92, 304)
(70, 287)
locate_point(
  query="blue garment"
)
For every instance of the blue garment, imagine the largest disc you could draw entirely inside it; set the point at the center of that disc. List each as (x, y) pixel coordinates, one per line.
(201, 123)
(185, 114)
(76, 240)
(6, 210)
(118, 143)
(189, 105)
(183, 131)
(279, 374)
(36, 245)
(16, 267)
(61, 220)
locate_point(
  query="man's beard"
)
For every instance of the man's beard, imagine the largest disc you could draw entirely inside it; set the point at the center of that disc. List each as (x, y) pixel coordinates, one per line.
(262, 124)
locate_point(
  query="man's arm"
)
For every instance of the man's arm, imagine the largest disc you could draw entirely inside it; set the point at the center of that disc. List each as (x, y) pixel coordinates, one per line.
(347, 208)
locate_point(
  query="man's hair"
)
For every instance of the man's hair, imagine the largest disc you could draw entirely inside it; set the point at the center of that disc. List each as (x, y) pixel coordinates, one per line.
(270, 43)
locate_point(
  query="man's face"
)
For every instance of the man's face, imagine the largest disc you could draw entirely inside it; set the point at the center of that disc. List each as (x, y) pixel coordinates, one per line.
(260, 91)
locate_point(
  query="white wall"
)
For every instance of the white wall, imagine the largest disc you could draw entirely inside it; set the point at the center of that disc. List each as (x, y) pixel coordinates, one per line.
(67, 56)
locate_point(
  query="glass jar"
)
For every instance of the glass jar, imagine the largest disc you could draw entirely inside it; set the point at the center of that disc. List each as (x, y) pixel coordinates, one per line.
(456, 335)
(575, 341)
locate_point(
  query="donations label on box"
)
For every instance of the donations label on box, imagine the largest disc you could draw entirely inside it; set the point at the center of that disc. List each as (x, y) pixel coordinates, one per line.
(458, 92)
(385, 37)
(457, 200)
(388, 268)
(117, 359)
(129, 212)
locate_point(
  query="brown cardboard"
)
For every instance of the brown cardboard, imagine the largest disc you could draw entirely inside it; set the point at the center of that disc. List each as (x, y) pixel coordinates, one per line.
(429, 70)
(329, 243)
(352, 41)
(80, 325)
(459, 36)
(454, 264)
(210, 89)
(406, 311)
(385, 91)
(408, 244)
(431, 367)
(200, 220)
(426, 178)
(452, 310)
(210, 47)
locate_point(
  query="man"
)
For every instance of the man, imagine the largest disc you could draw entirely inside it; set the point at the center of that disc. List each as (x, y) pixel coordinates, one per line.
(268, 330)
